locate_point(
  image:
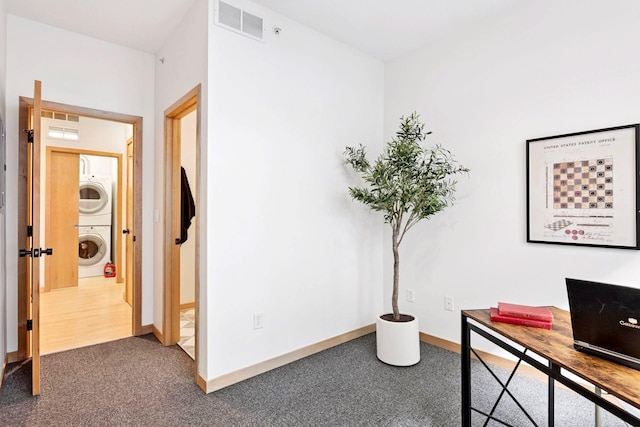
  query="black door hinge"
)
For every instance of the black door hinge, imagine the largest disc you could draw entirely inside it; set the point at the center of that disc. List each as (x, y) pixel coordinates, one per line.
(30, 135)
(29, 325)
(29, 230)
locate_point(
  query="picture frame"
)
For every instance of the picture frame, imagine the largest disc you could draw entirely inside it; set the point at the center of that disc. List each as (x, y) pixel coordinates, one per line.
(583, 188)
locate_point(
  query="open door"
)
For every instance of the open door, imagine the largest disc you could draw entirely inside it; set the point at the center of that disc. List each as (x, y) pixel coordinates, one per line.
(29, 209)
(173, 215)
(129, 225)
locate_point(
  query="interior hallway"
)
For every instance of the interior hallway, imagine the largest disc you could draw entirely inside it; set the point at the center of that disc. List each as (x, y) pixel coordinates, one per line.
(91, 313)
(188, 331)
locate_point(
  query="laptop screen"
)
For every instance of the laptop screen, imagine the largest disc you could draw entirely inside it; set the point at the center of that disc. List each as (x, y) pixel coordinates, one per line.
(605, 318)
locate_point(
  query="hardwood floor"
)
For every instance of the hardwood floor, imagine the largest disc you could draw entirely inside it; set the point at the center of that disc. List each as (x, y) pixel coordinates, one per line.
(91, 313)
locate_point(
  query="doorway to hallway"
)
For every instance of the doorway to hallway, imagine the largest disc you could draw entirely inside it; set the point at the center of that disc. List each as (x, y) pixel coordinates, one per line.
(181, 249)
(92, 294)
(84, 215)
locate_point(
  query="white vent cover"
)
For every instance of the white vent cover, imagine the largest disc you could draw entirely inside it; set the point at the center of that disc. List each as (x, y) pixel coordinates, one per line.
(239, 21)
(59, 116)
(59, 132)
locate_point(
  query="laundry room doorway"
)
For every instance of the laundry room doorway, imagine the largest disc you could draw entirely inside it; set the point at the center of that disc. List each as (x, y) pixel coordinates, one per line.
(86, 241)
(81, 200)
(81, 304)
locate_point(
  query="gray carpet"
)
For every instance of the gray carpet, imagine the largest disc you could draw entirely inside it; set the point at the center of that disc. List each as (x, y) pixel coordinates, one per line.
(138, 382)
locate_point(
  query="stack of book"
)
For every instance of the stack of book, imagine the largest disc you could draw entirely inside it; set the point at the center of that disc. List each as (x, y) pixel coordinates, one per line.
(537, 317)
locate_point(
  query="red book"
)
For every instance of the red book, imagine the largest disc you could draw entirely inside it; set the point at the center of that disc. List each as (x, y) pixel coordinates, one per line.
(497, 317)
(526, 311)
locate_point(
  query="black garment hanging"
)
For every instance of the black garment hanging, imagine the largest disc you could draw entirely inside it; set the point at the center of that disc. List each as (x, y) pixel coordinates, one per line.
(188, 209)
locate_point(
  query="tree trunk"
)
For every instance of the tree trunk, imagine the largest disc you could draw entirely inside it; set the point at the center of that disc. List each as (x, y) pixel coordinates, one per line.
(396, 275)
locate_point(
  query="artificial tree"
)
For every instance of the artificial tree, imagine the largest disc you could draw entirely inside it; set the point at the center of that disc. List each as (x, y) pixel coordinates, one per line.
(407, 183)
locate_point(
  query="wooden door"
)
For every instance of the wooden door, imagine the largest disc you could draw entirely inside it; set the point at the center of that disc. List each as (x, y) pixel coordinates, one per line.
(128, 231)
(173, 192)
(61, 228)
(29, 236)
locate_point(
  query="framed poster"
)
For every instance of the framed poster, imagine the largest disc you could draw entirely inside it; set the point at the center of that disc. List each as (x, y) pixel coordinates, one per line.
(582, 188)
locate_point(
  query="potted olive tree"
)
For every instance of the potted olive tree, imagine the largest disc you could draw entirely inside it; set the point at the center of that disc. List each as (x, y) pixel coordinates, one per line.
(407, 183)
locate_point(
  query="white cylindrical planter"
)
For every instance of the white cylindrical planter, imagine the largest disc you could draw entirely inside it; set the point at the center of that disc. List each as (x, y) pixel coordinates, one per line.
(398, 343)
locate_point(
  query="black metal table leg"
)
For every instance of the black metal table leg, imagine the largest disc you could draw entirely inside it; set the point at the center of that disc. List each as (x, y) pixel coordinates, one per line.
(465, 354)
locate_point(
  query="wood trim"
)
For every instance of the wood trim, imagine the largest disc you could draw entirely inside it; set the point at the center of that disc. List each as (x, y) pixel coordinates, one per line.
(147, 329)
(156, 333)
(14, 356)
(137, 226)
(440, 342)
(171, 273)
(201, 382)
(36, 239)
(491, 359)
(24, 115)
(262, 367)
(4, 371)
(187, 306)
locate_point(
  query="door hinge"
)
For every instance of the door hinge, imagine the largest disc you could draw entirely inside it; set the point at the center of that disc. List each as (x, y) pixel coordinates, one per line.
(29, 325)
(30, 135)
(29, 230)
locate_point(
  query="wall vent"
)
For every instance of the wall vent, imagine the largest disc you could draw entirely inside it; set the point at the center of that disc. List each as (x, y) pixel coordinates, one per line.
(239, 21)
(60, 116)
(59, 132)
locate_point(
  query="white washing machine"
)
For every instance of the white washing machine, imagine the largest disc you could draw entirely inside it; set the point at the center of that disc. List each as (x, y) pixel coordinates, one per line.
(94, 250)
(95, 203)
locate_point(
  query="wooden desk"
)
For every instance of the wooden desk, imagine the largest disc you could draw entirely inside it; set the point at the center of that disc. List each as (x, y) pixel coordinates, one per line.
(556, 347)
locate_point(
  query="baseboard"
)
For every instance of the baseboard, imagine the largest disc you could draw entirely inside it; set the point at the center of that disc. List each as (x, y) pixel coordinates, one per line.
(262, 367)
(491, 359)
(13, 357)
(157, 333)
(187, 305)
(201, 382)
(146, 329)
(4, 370)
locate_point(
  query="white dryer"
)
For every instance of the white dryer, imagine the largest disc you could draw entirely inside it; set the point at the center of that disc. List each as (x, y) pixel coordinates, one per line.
(95, 203)
(94, 250)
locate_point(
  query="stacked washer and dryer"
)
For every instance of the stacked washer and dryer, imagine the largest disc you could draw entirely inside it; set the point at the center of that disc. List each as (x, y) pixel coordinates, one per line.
(94, 226)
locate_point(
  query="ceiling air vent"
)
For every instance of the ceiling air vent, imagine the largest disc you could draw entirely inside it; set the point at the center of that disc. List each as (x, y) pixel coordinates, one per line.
(239, 21)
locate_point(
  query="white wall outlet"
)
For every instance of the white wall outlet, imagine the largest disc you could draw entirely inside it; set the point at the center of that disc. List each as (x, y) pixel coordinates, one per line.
(258, 320)
(411, 297)
(448, 303)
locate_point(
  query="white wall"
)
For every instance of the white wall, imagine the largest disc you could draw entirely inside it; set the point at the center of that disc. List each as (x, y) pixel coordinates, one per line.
(3, 265)
(544, 69)
(285, 239)
(185, 65)
(87, 73)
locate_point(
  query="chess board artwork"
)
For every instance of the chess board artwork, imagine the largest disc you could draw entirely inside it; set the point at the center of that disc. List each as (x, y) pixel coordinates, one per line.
(584, 184)
(583, 188)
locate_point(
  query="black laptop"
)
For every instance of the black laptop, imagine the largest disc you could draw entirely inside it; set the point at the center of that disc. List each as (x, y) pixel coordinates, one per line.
(606, 320)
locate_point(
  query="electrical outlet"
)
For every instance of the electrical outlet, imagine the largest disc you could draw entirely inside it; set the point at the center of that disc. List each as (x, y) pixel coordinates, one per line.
(258, 321)
(410, 295)
(448, 303)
